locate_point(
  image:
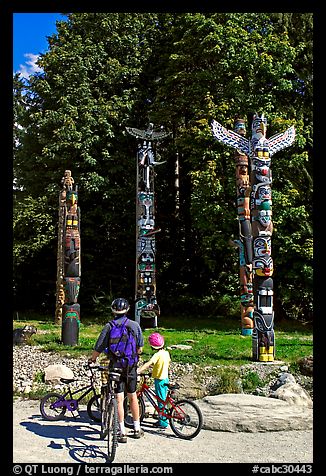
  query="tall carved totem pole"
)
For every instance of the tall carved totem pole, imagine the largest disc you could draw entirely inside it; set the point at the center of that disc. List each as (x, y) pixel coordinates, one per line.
(147, 309)
(260, 150)
(68, 263)
(245, 234)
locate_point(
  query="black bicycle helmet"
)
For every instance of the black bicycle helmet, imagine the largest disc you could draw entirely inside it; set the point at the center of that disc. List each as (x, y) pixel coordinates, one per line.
(120, 306)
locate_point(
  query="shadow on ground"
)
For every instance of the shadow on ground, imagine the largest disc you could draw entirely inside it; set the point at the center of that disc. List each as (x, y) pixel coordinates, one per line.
(82, 439)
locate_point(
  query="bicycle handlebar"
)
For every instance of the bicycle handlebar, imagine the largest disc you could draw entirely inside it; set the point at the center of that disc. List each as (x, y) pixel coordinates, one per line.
(90, 366)
(145, 374)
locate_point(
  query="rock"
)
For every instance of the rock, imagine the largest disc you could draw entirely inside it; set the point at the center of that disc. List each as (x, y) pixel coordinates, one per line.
(306, 365)
(286, 388)
(189, 388)
(251, 413)
(284, 378)
(226, 412)
(54, 372)
(284, 368)
(22, 334)
(293, 393)
(180, 346)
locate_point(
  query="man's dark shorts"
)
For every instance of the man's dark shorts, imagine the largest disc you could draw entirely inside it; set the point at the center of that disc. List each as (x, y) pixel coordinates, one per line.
(128, 381)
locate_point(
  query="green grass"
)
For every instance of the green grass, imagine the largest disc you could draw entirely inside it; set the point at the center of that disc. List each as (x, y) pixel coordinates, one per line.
(214, 341)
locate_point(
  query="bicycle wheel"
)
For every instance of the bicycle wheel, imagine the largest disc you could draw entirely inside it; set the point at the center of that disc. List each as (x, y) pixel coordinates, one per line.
(94, 408)
(48, 411)
(112, 429)
(129, 422)
(186, 419)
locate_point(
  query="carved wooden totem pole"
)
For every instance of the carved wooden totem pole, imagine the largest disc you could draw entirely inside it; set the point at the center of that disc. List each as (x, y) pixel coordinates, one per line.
(147, 309)
(245, 234)
(68, 273)
(260, 149)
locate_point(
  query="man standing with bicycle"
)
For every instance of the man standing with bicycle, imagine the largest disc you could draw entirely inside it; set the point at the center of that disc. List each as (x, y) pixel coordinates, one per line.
(123, 341)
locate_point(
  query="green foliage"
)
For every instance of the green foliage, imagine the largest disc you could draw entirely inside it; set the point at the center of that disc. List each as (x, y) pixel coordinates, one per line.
(106, 71)
(33, 228)
(227, 381)
(250, 381)
(39, 376)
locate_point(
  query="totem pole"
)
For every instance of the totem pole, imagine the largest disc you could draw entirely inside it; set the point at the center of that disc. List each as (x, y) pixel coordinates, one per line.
(68, 282)
(245, 235)
(60, 294)
(260, 149)
(146, 308)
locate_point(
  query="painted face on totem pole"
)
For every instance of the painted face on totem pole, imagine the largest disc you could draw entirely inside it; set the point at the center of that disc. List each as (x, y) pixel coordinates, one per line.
(262, 169)
(258, 134)
(241, 160)
(263, 266)
(258, 127)
(242, 180)
(264, 193)
(71, 198)
(265, 213)
(145, 266)
(262, 246)
(240, 127)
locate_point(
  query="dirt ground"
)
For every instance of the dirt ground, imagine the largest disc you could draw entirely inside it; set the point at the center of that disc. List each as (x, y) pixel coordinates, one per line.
(77, 440)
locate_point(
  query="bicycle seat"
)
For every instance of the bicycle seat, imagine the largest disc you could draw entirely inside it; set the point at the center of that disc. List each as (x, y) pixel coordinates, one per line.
(172, 386)
(67, 380)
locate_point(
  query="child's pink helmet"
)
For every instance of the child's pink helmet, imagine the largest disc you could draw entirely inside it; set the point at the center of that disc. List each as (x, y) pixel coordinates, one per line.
(156, 340)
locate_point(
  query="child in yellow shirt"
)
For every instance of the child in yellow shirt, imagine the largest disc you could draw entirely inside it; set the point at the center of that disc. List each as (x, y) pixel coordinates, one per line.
(160, 362)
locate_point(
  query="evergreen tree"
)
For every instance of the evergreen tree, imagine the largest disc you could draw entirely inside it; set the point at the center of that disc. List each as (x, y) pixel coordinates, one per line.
(106, 71)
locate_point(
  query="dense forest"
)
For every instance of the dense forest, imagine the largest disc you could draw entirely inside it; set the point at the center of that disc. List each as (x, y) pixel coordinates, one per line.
(104, 72)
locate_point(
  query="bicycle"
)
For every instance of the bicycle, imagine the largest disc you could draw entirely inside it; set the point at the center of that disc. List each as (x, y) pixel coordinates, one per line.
(53, 406)
(184, 416)
(109, 411)
(105, 403)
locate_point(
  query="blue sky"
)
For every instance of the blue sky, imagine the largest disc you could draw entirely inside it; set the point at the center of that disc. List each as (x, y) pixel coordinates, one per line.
(29, 38)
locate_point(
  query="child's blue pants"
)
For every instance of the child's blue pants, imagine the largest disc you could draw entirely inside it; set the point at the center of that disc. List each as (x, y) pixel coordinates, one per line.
(161, 391)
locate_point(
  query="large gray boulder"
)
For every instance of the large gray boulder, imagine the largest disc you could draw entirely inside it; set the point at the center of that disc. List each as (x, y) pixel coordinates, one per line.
(292, 392)
(251, 413)
(53, 373)
(284, 378)
(286, 388)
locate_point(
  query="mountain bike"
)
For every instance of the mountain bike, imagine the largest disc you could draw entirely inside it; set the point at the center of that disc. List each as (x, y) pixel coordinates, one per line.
(53, 406)
(109, 412)
(184, 416)
(101, 407)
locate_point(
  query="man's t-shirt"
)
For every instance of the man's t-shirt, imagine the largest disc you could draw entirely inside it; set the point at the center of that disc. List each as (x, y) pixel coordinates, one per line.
(161, 360)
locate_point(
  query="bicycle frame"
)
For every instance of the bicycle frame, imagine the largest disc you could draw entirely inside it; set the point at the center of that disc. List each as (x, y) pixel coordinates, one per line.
(72, 403)
(151, 396)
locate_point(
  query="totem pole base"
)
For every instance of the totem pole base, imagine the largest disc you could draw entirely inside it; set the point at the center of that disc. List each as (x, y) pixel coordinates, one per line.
(70, 332)
(266, 355)
(148, 321)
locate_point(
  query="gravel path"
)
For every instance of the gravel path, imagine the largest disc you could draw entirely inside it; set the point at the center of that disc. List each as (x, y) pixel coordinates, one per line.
(77, 441)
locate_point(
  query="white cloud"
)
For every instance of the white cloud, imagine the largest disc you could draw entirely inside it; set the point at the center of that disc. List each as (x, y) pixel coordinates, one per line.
(30, 65)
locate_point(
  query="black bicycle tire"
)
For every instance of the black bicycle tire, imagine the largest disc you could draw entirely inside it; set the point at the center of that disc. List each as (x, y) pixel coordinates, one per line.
(112, 425)
(42, 407)
(198, 426)
(128, 418)
(89, 408)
